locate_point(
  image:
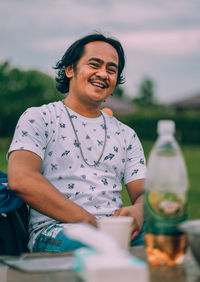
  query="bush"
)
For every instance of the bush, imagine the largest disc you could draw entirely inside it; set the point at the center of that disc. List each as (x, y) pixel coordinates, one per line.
(145, 124)
(19, 90)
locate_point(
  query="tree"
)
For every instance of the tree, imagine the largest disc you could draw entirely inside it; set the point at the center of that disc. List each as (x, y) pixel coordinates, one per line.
(19, 90)
(119, 92)
(146, 94)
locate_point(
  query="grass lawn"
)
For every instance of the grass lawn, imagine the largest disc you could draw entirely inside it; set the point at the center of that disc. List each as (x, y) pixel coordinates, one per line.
(192, 157)
(4, 145)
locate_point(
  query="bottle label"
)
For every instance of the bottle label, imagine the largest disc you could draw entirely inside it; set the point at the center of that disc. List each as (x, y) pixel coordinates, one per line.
(163, 212)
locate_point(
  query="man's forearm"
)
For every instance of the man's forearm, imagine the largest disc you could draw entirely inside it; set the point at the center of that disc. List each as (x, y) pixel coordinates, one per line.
(41, 195)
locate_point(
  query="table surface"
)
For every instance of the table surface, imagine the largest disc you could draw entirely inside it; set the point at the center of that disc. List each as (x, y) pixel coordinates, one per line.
(189, 271)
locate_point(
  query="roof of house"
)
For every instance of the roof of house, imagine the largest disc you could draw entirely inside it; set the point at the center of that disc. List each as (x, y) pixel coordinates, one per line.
(190, 102)
(118, 106)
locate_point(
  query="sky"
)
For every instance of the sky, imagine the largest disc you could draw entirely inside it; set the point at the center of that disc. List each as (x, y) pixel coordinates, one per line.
(161, 38)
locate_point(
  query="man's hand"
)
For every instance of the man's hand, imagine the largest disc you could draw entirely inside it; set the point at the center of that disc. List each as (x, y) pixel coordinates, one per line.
(129, 211)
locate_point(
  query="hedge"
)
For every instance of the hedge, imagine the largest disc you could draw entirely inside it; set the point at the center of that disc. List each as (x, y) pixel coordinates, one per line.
(187, 127)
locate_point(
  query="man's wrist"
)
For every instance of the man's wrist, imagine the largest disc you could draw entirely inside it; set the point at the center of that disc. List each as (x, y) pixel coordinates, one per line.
(137, 211)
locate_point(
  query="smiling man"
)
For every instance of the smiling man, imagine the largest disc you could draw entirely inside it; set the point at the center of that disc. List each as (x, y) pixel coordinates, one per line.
(71, 163)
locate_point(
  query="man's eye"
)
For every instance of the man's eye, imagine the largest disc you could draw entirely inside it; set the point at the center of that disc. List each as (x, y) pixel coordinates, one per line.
(94, 65)
(112, 71)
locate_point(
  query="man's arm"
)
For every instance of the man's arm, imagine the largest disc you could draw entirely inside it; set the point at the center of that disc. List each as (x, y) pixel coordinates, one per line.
(26, 180)
(134, 189)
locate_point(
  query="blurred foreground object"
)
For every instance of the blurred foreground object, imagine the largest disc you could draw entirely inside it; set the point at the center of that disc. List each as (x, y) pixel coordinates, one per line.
(104, 260)
(108, 111)
(165, 199)
(119, 227)
(192, 229)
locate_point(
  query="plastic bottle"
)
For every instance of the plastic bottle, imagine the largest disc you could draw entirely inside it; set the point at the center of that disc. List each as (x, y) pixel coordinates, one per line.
(166, 199)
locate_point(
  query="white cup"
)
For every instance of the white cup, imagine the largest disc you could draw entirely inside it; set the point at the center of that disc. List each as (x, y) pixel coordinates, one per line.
(119, 227)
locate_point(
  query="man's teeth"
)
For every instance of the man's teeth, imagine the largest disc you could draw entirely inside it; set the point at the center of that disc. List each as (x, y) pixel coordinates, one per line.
(98, 84)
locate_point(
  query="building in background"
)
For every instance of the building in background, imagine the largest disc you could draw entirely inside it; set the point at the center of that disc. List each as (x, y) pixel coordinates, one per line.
(119, 106)
(192, 102)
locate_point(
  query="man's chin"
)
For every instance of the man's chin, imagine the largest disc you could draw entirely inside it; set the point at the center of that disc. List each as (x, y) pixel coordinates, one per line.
(97, 102)
(100, 98)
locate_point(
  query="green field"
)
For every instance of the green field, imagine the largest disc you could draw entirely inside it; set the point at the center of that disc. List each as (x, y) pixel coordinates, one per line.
(192, 157)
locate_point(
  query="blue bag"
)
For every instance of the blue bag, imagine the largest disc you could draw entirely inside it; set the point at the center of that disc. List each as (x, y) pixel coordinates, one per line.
(13, 220)
(8, 200)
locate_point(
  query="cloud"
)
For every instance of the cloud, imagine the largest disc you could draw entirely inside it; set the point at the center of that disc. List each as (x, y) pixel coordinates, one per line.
(71, 15)
(176, 42)
(52, 45)
(150, 26)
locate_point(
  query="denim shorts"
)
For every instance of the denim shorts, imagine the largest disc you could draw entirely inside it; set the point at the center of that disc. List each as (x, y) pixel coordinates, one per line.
(52, 239)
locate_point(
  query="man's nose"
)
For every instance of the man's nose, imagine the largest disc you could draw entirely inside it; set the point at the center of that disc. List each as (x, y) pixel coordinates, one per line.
(102, 73)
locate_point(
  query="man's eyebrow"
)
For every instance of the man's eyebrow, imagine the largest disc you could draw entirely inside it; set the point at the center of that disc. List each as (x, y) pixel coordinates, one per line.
(101, 62)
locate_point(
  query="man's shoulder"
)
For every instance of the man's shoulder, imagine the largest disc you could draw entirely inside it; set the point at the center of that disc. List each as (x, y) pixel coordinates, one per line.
(44, 109)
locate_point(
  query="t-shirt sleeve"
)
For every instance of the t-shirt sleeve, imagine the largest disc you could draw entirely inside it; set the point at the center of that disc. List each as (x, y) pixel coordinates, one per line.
(135, 167)
(30, 133)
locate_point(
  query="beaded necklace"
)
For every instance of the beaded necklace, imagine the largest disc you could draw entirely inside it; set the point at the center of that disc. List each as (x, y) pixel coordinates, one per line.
(96, 163)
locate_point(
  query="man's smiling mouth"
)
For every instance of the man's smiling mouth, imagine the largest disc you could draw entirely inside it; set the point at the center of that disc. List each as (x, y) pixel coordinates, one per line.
(99, 84)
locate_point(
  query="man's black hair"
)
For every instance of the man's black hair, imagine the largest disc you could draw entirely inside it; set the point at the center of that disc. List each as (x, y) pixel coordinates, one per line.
(75, 52)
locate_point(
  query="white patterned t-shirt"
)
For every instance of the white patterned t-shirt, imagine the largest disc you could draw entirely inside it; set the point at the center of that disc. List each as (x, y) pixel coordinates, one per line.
(47, 132)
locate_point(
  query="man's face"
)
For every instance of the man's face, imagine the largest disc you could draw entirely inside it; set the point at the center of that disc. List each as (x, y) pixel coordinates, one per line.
(96, 73)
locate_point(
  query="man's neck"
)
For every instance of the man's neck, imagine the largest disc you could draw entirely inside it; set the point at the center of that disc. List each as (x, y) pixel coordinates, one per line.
(90, 111)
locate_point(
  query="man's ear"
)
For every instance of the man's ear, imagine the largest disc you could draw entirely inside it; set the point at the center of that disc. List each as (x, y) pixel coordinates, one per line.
(69, 71)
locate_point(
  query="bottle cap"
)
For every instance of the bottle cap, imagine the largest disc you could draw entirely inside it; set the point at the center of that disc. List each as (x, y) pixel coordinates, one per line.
(166, 126)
